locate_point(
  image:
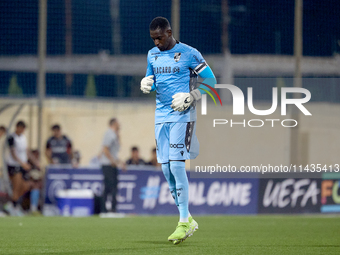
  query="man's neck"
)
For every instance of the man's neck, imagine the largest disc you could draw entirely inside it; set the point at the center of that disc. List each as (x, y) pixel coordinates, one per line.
(172, 43)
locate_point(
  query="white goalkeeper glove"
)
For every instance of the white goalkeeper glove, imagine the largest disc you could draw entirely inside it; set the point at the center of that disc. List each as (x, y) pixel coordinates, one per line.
(182, 101)
(146, 84)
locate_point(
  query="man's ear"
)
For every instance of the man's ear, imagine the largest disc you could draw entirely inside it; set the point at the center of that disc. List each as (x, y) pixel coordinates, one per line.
(169, 31)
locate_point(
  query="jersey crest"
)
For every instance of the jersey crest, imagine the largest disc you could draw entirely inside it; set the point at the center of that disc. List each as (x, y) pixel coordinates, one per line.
(177, 56)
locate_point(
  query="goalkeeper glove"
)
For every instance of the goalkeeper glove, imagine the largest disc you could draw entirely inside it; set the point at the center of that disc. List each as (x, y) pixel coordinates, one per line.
(182, 101)
(146, 84)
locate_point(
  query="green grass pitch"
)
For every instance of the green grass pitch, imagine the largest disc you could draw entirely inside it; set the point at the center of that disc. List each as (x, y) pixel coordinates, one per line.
(148, 235)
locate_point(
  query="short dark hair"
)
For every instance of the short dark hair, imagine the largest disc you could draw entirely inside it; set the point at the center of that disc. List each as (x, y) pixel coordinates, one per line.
(159, 22)
(134, 148)
(112, 121)
(35, 151)
(56, 127)
(20, 123)
(3, 128)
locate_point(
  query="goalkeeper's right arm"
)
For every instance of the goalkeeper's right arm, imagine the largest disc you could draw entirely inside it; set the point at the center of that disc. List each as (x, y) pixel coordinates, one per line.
(147, 84)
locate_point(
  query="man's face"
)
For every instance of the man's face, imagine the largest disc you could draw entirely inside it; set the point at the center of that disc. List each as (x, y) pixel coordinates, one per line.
(35, 154)
(161, 38)
(135, 154)
(19, 130)
(116, 126)
(56, 132)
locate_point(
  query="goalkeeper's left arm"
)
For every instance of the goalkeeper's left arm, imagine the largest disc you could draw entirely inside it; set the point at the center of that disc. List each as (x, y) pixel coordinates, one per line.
(182, 101)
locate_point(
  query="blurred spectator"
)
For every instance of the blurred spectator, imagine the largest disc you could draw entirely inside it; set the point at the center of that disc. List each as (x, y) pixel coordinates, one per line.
(76, 158)
(2, 134)
(153, 161)
(135, 160)
(2, 131)
(18, 167)
(58, 147)
(36, 183)
(95, 161)
(3, 196)
(110, 162)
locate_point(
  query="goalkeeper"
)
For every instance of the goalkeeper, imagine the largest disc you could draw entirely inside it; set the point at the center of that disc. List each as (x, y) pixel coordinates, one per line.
(172, 72)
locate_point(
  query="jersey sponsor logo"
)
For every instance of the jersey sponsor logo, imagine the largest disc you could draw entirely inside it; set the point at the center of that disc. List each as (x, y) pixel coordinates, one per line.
(165, 69)
(175, 69)
(177, 56)
(162, 69)
(177, 146)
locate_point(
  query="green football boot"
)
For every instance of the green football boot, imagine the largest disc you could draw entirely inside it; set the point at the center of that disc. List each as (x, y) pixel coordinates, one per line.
(181, 233)
(193, 226)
